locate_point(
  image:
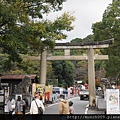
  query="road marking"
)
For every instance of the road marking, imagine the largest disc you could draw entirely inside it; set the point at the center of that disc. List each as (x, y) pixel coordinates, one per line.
(51, 105)
(27, 113)
(86, 109)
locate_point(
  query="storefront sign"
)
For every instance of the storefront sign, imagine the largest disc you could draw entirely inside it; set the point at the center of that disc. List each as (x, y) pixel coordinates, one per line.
(112, 101)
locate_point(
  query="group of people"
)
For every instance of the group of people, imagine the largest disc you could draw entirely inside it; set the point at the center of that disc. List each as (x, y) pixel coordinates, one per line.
(65, 107)
(16, 106)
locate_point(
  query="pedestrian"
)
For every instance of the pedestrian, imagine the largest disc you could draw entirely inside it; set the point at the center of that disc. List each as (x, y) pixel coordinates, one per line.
(63, 105)
(72, 110)
(64, 108)
(24, 106)
(19, 105)
(33, 107)
(40, 95)
(11, 105)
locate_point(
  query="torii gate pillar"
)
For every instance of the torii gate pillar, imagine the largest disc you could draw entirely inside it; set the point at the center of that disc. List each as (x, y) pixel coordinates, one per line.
(43, 66)
(91, 76)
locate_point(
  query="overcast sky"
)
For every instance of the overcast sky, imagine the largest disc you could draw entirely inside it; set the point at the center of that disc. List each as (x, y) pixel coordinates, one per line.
(86, 12)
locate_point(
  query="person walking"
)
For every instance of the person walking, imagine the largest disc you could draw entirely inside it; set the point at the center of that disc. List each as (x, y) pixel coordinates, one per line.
(63, 105)
(11, 105)
(24, 106)
(72, 110)
(19, 105)
(33, 107)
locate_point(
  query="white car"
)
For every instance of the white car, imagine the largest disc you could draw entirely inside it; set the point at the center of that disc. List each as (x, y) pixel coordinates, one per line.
(84, 94)
(99, 89)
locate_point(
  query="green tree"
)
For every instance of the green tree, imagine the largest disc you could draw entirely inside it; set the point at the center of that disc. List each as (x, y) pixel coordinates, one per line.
(77, 51)
(58, 68)
(5, 64)
(50, 71)
(109, 28)
(23, 28)
(77, 40)
(25, 67)
(89, 38)
(64, 72)
(68, 73)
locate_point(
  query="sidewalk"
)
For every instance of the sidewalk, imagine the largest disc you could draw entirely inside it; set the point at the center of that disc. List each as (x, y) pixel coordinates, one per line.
(92, 110)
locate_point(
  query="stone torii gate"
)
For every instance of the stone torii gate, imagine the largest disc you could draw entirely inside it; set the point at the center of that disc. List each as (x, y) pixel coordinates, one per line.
(89, 46)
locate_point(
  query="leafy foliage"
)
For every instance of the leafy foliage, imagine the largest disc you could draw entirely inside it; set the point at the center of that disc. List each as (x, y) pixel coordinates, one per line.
(89, 38)
(23, 28)
(108, 28)
(64, 71)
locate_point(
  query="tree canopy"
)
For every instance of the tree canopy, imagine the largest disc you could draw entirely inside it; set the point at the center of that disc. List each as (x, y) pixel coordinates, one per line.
(23, 28)
(108, 28)
(64, 72)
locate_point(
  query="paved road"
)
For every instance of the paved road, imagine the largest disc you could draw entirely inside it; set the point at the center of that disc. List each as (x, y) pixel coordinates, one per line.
(79, 105)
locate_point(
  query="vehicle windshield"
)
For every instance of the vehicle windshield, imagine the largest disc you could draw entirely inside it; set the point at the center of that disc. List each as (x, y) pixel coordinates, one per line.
(85, 90)
(56, 89)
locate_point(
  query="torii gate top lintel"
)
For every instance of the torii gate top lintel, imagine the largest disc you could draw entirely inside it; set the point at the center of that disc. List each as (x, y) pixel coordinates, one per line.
(77, 45)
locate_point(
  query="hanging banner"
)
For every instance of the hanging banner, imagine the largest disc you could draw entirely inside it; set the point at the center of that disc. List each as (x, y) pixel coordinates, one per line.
(112, 101)
(6, 95)
(40, 88)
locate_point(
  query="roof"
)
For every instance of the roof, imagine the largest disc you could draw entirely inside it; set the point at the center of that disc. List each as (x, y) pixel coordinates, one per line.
(109, 41)
(17, 76)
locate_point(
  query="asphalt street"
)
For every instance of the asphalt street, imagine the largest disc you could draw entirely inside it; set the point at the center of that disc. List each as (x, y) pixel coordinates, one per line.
(79, 106)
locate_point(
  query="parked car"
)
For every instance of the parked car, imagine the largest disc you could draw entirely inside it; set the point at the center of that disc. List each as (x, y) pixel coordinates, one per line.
(65, 91)
(60, 90)
(84, 94)
(99, 89)
(56, 90)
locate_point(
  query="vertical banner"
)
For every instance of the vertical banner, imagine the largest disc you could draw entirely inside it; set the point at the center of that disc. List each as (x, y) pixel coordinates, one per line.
(6, 95)
(112, 101)
(40, 88)
(61, 91)
(69, 90)
(6, 92)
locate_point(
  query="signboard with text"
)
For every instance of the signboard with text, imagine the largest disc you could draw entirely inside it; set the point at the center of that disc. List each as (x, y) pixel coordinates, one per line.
(112, 101)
